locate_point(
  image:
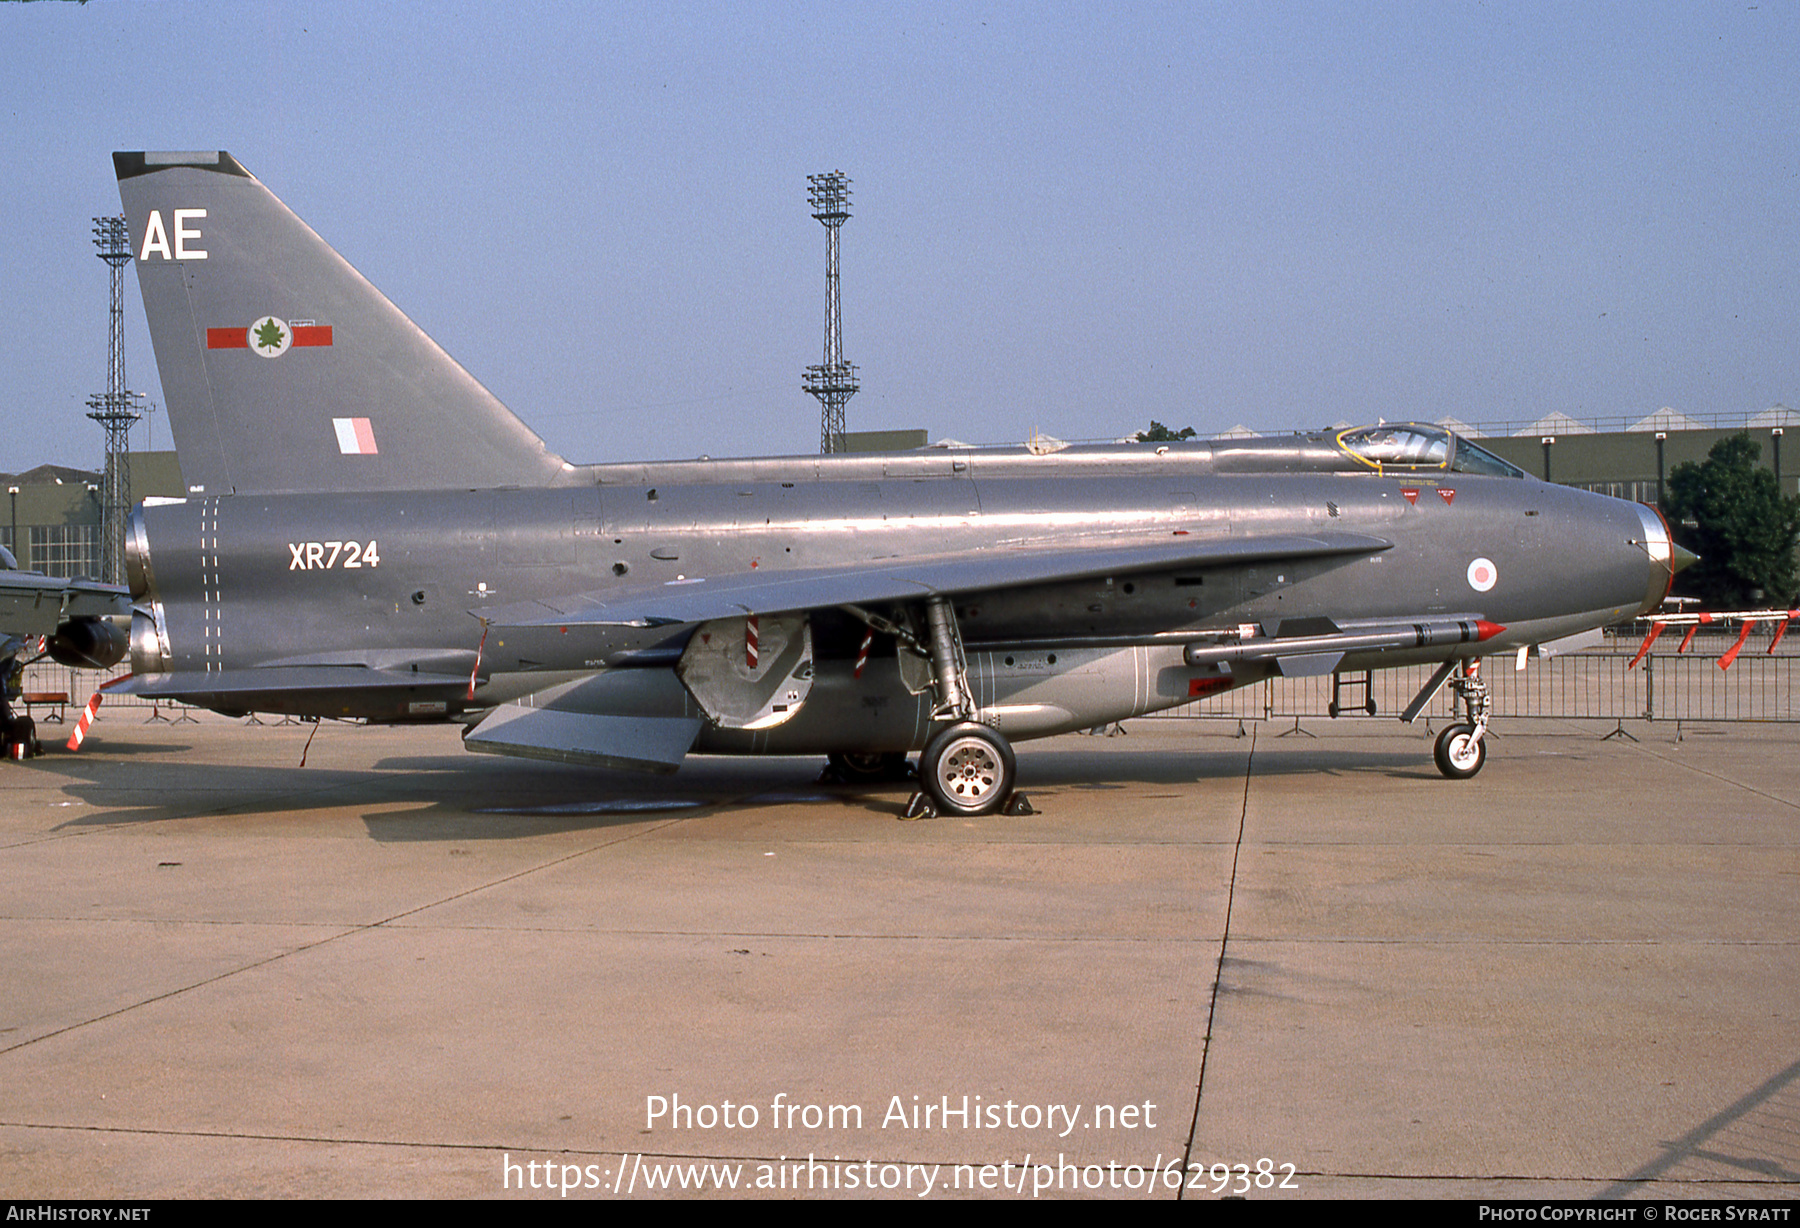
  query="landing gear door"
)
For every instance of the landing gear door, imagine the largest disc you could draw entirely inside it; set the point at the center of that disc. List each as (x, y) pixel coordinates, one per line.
(915, 670)
(915, 663)
(749, 673)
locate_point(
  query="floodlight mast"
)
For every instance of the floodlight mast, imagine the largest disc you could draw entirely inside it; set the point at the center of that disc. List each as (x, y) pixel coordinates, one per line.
(113, 409)
(834, 380)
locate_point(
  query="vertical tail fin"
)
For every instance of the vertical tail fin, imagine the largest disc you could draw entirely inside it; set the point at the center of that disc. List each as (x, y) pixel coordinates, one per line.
(283, 369)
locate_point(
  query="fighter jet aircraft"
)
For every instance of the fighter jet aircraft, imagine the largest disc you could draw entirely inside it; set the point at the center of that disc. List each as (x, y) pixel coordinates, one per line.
(369, 533)
(49, 616)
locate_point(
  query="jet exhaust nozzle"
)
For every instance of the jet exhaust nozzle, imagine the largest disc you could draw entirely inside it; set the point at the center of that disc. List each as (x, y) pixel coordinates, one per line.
(149, 642)
(88, 643)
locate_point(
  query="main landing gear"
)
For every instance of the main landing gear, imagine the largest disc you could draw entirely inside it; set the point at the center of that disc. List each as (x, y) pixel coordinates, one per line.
(967, 768)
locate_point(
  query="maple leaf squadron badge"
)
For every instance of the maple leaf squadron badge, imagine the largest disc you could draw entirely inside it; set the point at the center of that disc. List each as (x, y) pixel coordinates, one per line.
(271, 337)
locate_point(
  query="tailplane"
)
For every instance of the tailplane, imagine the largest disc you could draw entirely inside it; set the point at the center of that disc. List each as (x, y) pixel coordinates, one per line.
(283, 369)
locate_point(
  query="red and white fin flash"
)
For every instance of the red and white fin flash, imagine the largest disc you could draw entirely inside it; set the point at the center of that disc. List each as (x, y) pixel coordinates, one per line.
(355, 436)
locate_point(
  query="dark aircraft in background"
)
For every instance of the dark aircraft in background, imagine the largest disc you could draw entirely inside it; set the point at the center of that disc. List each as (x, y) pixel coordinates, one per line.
(368, 533)
(69, 621)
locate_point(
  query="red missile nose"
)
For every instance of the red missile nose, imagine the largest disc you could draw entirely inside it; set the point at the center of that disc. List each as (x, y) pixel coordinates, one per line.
(1485, 630)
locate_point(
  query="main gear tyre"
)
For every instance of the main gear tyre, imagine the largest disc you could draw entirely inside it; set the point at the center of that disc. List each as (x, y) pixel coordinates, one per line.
(21, 740)
(968, 769)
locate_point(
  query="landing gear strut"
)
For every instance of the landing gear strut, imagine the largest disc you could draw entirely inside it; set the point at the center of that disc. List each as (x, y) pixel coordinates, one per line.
(18, 734)
(967, 768)
(1460, 751)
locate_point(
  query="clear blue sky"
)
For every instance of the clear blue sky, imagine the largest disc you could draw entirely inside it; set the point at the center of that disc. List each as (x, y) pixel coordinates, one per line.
(1069, 217)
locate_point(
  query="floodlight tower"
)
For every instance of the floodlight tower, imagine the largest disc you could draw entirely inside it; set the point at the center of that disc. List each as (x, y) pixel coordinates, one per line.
(834, 380)
(112, 409)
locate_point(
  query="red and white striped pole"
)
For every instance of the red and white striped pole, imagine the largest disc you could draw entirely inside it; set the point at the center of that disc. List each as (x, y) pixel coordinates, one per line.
(87, 719)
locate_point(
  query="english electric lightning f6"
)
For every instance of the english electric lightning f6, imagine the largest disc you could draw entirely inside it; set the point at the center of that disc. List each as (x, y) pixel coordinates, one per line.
(369, 533)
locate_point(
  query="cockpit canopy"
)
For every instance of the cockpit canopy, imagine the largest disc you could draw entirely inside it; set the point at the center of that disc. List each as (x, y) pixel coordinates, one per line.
(1415, 446)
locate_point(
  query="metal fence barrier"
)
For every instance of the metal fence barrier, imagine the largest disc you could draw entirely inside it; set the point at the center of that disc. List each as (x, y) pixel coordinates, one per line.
(46, 678)
(1592, 685)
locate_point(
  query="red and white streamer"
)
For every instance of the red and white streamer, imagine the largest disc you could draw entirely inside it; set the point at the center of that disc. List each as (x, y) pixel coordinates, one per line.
(862, 654)
(1656, 629)
(472, 673)
(1746, 619)
(1731, 654)
(750, 641)
(1781, 630)
(1687, 641)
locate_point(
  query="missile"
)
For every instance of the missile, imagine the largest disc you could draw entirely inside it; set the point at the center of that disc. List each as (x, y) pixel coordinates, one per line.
(1304, 647)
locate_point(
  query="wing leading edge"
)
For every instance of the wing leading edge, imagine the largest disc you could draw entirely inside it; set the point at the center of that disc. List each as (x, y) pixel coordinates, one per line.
(733, 596)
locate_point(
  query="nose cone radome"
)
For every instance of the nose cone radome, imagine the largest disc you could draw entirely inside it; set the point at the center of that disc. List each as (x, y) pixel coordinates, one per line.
(1665, 558)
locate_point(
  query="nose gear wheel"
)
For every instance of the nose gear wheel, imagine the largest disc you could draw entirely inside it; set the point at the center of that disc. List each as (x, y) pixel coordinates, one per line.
(1461, 751)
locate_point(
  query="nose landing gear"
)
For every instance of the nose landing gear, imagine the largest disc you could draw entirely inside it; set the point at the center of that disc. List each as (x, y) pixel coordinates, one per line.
(1460, 751)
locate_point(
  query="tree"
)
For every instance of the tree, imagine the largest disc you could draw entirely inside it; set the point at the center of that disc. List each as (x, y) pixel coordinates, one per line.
(1732, 514)
(1158, 433)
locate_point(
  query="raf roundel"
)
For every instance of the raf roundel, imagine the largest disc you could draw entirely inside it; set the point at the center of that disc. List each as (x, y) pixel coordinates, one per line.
(1482, 575)
(270, 337)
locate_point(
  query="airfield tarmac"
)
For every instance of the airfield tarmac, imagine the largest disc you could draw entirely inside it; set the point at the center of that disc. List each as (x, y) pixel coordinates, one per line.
(403, 968)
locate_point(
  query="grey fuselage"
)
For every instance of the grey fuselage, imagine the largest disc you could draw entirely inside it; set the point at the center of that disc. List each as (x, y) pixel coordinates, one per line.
(317, 591)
